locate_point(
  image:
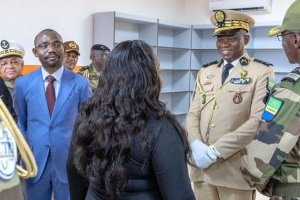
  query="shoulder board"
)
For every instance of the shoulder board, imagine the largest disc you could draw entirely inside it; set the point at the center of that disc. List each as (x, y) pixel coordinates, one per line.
(293, 76)
(210, 63)
(83, 68)
(263, 62)
(296, 70)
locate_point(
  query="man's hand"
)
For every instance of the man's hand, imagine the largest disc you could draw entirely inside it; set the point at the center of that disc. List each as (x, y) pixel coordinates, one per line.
(203, 155)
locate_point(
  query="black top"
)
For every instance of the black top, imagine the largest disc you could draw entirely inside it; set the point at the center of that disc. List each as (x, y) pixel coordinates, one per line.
(155, 173)
(6, 98)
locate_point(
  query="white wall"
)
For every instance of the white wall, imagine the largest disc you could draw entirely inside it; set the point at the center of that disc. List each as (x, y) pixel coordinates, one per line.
(21, 20)
(198, 13)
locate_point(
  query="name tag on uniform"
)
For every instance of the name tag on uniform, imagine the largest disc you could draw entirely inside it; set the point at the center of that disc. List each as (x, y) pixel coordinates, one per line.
(240, 80)
(272, 109)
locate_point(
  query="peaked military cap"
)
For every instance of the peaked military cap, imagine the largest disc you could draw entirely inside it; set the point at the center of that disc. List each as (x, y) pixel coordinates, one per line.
(100, 47)
(71, 46)
(290, 21)
(227, 22)
(11, 48)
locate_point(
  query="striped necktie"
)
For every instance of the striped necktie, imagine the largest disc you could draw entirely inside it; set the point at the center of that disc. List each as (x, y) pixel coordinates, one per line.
(50, 94)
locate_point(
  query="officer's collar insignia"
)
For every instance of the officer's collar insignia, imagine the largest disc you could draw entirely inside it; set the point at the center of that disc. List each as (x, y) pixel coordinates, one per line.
(4, 44)
(244, 61)
(242, 81)
(220, 17)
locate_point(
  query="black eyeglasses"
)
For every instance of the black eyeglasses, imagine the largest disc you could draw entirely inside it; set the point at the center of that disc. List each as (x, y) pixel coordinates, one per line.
(46, 45)
(279, 36)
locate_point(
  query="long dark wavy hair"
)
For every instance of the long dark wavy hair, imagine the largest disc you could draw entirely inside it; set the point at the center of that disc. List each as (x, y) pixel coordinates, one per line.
(127, 95)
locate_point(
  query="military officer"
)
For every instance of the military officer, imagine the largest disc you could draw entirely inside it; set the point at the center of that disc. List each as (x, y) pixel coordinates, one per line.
(98, 56)
(225, 111)
(272, 161)
(71, 54)
(11, 62)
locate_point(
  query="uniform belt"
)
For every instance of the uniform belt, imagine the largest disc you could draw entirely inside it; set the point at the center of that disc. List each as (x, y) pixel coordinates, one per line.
(288, 190)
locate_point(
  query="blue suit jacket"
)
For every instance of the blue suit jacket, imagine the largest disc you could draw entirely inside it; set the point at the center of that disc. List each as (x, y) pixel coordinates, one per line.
(45, 134)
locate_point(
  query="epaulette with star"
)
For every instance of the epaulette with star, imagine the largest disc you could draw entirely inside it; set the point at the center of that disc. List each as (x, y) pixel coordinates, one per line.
(263, 62)
(210, 63)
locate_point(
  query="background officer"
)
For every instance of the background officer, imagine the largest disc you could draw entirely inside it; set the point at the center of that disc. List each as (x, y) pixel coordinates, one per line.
(11, 62)
(272, 161)
(71, 54)
(224, 113)
(92, 71)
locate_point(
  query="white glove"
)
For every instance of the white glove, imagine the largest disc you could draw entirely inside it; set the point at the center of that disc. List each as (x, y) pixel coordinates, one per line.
(213, 153)
(202, 154)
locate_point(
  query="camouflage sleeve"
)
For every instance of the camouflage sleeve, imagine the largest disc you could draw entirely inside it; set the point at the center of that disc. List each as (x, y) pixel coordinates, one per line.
(276, 136)
(84, 72)
(80, 72)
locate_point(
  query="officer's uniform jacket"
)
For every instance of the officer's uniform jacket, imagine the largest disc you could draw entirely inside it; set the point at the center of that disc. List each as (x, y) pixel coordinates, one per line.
(227, 116)
(90, 73)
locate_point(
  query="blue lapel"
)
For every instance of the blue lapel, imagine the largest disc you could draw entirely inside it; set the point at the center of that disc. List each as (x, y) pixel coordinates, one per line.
(38, 93)
(66, 86)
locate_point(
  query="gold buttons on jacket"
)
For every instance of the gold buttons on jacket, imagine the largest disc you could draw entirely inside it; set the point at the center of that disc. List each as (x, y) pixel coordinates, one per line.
(212, 125)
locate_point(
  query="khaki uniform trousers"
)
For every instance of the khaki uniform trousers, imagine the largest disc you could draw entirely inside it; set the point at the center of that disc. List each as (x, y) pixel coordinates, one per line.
(205, 191)
(14, 193)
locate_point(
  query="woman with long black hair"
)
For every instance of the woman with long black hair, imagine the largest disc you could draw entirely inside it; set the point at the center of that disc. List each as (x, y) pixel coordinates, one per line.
(125, 144)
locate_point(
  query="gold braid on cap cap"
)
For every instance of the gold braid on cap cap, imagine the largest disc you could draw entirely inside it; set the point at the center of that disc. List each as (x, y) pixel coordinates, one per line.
(232, 24)
(24, 150)
(10, 52)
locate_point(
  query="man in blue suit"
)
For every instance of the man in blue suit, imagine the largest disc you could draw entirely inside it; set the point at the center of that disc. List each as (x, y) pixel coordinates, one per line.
(47, 102)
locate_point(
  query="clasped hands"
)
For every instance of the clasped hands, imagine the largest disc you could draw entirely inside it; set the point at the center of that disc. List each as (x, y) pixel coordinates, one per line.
(203, 154)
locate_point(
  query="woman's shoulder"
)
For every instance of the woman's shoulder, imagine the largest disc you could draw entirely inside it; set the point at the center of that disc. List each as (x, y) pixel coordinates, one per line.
(160, 122)
(159, 126)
